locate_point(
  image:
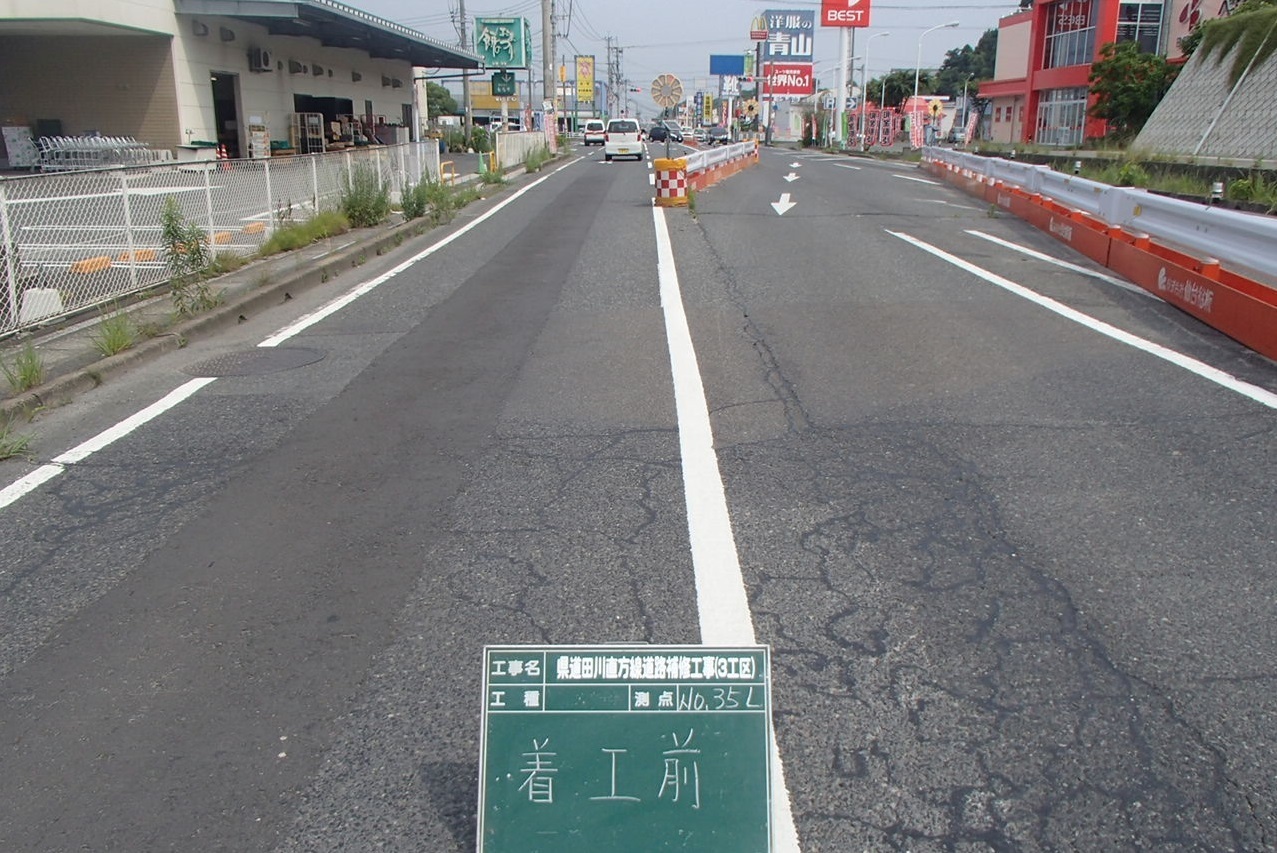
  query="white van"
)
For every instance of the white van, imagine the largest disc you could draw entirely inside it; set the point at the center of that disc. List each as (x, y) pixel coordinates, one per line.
(594, 132)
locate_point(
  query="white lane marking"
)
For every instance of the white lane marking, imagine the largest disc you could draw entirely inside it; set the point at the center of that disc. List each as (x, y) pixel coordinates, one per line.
(917, 180)
(1033, 253)
(848, 166)
(325, 311)
(82, 451)
(723, 607)
(1192, 365)
(59, 464)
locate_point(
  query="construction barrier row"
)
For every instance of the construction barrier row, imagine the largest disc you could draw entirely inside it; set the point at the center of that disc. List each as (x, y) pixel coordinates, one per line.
(674, 177)
(1240, 307)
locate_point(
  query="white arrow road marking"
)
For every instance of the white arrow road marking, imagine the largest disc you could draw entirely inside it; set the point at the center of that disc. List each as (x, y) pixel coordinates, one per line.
(783, 206)
(795, 165)
(791, 177)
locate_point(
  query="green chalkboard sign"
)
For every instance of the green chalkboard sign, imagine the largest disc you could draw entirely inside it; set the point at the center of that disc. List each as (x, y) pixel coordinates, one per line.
(625, 748)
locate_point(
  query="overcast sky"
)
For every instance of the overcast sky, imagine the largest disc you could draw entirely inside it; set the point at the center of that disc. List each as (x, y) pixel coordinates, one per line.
(678, 36)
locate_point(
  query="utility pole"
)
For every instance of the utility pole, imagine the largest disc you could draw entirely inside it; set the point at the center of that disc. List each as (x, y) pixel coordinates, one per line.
(465, 80)
(547, 50)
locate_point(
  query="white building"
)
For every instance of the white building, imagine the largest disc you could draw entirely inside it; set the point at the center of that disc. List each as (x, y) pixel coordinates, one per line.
(175, 72)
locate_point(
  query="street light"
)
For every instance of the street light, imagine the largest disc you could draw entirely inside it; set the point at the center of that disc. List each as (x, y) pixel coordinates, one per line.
(917, 71)
(864, 87)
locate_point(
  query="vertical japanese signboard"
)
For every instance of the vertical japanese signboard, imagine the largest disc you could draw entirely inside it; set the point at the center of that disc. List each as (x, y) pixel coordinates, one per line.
(585, 79)
(788, 52)
(628, 749)
(503, 42)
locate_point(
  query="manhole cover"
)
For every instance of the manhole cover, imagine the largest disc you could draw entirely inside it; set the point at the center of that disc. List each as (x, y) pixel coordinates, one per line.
(256, 362)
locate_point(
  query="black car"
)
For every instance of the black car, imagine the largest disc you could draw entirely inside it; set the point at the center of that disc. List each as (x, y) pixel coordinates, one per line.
(658, 133)
(675, 132)
(717, 135)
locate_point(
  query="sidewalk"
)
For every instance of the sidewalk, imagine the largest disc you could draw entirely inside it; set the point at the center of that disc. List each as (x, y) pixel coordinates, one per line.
(73, 364)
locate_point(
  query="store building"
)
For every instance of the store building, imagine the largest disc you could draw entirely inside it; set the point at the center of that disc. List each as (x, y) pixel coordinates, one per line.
(1041, 86)
(182, 74)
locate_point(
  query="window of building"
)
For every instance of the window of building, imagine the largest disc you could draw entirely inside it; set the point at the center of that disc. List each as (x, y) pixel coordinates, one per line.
(997, 114)
(1070, 34)
(1140, 21)
(1062, 117)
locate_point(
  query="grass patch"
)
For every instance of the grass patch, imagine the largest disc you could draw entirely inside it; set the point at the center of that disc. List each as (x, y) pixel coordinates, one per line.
(224, 262)
(537, 159)
(12, 443)
(328, 223)
(492, 178)
(365, 201)
(27, 370)
(115, 334)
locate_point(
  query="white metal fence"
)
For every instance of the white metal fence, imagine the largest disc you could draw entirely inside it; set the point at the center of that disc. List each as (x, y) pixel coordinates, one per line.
(77, 239)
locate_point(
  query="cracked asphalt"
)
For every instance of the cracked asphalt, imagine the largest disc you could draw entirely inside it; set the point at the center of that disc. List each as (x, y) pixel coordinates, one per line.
(1017, 578)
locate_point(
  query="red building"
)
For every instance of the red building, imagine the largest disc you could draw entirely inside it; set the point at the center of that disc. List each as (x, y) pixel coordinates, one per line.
(1040, 91)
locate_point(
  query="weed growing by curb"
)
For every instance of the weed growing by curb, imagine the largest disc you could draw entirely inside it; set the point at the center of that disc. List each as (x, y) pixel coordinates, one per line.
(11, 443)
(295, 235)
(364, 200)
(115, 334)
(27, 370)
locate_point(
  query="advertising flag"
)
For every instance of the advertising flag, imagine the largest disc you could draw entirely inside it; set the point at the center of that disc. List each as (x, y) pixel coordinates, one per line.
(585, 79)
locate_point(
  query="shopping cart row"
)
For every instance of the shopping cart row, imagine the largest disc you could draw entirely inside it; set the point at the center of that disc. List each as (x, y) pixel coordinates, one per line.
(74, 153)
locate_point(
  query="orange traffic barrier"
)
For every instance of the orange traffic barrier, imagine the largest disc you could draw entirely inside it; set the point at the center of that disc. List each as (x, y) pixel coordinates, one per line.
(137, 256)
(671, 182)
(89, 265)
(255, 228)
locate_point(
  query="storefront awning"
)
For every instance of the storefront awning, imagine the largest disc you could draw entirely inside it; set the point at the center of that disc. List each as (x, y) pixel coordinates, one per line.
(337, 25)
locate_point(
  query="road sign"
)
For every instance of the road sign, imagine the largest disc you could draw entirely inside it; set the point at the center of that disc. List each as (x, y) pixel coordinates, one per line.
(503, 85)
(624, 749)
(667, 91)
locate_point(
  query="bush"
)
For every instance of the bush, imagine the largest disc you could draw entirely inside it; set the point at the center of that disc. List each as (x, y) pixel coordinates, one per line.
(364, 200)
(537, 159)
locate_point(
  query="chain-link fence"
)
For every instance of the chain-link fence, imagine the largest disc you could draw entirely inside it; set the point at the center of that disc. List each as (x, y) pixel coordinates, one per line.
(77, 239)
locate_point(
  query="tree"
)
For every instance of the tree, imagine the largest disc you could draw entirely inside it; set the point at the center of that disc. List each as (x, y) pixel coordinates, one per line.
(967, 62)
(1127, 85)
(1189, 43)
(440, 101)
(893, 89)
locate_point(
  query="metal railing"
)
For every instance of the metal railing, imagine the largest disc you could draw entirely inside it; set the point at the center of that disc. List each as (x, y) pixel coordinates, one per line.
(1242, 239)
(77, 239)
(707, 158)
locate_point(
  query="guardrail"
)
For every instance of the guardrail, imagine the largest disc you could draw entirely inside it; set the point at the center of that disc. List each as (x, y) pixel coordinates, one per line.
(1203, 260)
(1244, 239)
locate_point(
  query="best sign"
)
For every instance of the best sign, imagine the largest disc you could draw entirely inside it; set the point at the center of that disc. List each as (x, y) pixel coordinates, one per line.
(844, 13)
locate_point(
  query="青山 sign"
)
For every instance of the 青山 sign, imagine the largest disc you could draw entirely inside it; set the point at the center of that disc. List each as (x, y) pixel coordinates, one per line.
(844, 13)
(789, 78)
(503, 42)
(789, 35)
(628, 749)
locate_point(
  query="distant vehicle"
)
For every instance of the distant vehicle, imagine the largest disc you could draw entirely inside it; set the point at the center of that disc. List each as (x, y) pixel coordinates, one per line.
(717, 135)
(699, 133)
(622, 139)
(675, 130)
(658, 133)
(594, 132)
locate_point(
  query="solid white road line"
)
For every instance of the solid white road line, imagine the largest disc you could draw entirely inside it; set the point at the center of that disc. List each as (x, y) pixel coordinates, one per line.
(32, 481)
(917, 180)
(82, 451)
(1198, 368)
(725, 618)
(1033, 253)
(325, 311)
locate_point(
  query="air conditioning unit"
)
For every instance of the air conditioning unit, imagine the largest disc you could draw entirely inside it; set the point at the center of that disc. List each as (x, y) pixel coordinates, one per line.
(260, 59)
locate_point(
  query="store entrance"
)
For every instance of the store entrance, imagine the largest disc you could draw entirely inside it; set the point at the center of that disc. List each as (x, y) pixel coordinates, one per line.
(226, 111)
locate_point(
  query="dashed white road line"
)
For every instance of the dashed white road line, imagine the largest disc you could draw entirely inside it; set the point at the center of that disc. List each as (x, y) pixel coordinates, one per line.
(1192, 365)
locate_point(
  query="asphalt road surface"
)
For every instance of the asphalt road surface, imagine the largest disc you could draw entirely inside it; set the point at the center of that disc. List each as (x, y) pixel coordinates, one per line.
(1005, 526)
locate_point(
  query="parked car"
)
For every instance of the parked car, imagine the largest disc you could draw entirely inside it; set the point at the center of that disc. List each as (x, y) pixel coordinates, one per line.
(622, 139)
(699, 133)
(717, 135)
(658, 133)
(675, 131)
(594, 132)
